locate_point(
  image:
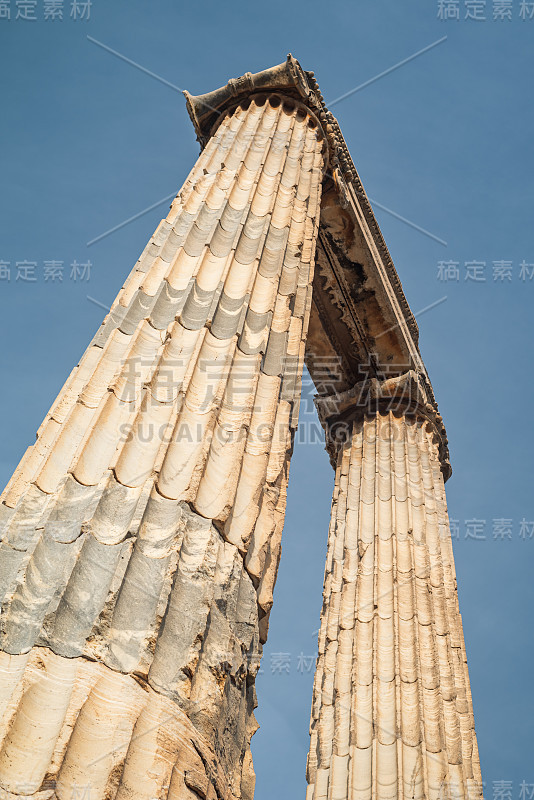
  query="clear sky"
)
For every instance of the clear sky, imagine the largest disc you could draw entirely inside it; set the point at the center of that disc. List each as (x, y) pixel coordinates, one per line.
(444, 141)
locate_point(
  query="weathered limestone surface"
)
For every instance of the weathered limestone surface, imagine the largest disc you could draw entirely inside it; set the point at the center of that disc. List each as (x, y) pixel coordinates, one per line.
(140, 535)
(392, 714)
(142, 530)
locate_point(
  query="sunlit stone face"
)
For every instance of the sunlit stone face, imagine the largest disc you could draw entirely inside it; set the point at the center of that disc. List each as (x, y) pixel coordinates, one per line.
(141, 533)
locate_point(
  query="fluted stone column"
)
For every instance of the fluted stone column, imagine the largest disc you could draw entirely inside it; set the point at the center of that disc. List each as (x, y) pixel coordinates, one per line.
(141, 532)
(392, 714)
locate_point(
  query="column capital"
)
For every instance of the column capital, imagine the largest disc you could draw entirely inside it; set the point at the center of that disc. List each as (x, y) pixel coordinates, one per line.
(287, 78)
(404, 395)
(291, 81)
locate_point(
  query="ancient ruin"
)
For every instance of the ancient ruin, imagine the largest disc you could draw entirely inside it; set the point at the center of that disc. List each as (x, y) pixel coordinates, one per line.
(141, 532)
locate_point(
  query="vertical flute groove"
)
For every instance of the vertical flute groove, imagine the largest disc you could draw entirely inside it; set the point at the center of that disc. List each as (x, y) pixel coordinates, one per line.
(411, 732)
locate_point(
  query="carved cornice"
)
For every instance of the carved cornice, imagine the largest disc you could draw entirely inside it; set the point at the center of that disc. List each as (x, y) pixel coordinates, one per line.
(405, 394)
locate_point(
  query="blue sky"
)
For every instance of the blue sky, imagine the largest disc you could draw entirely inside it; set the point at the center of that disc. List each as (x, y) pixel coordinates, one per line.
(445, 141)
